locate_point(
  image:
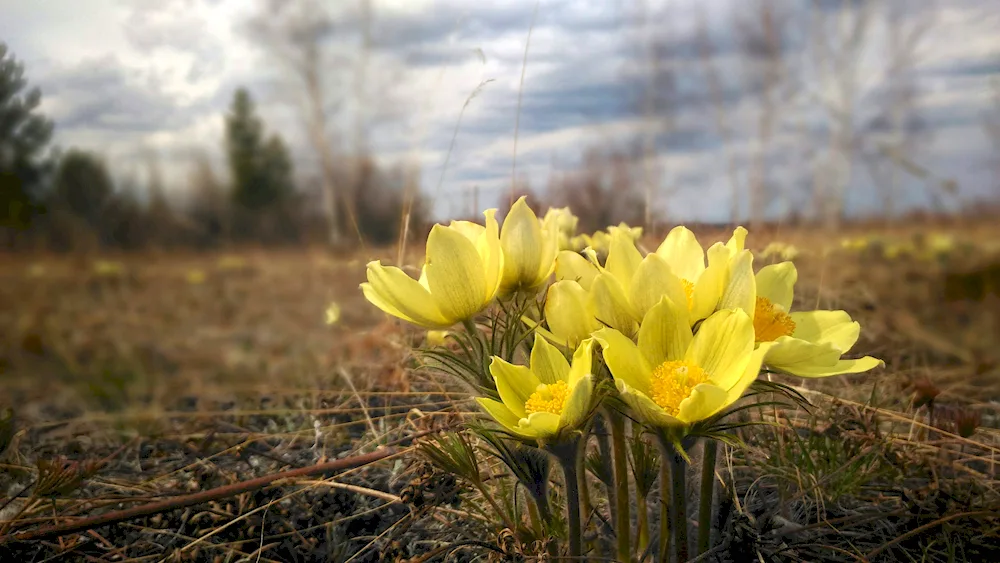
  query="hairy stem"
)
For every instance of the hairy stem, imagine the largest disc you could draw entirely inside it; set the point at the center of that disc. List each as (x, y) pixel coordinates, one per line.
(642, 534)
(707, 493)
(623, 520)
(678, 503)
(664, 510)
(569, 456)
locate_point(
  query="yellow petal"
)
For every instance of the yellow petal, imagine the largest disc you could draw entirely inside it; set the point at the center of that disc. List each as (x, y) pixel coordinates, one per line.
(623, 258)
(578, 404)
(540, 424)
(681, 250)
(837, 368)
(708, 289)
(491, 255)
(523, 247)
(740, 291)
(573, 266)
(396, 293)
(834, 327)
(723, 345)
(499, 412)
(569, 316)
(777, 283)
(790, 354)
(455, 273)
(664, 334)
(514, 384)
(653, 279)
(548, 363)
(750, 373)
(736, 241)
(705, 400)
(582, 364)
(611, 307)
(624, 360)
(644, 408)
(468, 229)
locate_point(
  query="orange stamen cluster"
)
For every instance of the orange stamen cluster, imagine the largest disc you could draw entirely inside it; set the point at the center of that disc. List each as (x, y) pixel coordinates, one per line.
(673, 381)
(548, 398)
(770, 322)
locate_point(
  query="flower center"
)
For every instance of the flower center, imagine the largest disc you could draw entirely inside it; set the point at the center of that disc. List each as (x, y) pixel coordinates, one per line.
(548, 398)
(770, 322)
(688, 292)
(673, 381)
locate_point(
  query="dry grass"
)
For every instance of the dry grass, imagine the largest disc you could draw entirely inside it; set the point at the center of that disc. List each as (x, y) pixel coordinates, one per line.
(183, 373)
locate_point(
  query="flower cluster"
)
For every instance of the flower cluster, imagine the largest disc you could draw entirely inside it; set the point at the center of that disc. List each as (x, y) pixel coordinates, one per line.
(683, 330)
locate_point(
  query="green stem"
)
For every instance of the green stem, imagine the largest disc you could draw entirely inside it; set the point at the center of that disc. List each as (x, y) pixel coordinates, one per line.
(664, 510)
(679, 503)
(642, 535)
(470, 327)
(569, 456)
(709, 452)
(623, 520)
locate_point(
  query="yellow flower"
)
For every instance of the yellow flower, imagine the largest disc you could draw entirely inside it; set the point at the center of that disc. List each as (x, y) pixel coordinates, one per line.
(703, 286)
(562, 221)
(809, 343)
(673, 378)
(546, 400)
(529, 250)
(461, 275)
(629, 285)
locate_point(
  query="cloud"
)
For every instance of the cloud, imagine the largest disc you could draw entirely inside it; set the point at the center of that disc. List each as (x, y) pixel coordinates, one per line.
(162, 74)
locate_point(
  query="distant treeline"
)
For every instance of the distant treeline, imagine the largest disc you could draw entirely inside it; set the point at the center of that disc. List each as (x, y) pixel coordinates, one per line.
(69, 201)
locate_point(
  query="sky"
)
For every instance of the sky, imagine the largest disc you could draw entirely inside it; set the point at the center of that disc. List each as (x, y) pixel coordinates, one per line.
(133, 79)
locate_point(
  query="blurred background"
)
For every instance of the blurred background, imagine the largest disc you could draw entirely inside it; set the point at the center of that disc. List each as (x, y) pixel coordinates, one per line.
(174, 174)
(190, 191)
(131, 124)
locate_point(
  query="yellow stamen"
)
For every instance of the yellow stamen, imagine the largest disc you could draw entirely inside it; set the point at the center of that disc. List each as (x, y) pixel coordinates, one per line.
(770, 322)
(688, 292)
(548, 398)
(673, 381)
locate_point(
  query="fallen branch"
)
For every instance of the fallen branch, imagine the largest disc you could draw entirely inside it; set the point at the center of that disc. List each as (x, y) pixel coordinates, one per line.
(200, 497)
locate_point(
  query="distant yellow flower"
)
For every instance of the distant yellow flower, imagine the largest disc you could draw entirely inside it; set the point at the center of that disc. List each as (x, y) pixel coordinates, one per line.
(529, 250)
(563, 222)
(547, 400)
(782, 250)
(808, 343)
(463, 268)
(231, 262)
(36, 270)
(674, 378)
(195, 277)
(108, 268)
(332, 313)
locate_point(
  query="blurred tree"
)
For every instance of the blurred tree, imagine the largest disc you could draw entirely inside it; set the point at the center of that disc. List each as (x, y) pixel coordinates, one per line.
(24, 136)
(82, 192)
(82, 186)
(209, 209)
(261, 170)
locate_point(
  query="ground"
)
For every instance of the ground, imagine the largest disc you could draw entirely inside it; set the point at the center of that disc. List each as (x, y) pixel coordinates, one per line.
(136, 378)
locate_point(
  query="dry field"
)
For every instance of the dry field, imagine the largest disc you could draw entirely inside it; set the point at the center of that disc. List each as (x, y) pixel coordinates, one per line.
(139, 379)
